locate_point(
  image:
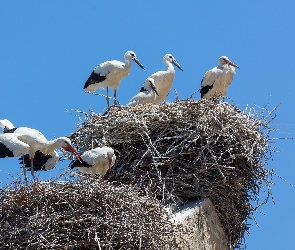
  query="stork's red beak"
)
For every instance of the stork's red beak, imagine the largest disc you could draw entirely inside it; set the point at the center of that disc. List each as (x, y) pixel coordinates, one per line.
(71, 149)
(231, 63)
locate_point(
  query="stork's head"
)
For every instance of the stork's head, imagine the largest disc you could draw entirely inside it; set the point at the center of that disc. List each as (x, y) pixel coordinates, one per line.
(170, 58)
(66, 144)
(224, 60)
(130, 55)
(149, 84)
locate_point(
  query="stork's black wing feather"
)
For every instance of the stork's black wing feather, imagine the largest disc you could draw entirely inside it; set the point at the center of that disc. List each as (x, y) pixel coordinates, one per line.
(80, 164)
(204, 90)
(5, 152)
(94, 78)
(39, 161)
(7, 130)
(142, 89)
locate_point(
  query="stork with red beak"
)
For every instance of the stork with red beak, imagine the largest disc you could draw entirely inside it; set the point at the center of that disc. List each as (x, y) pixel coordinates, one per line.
(217, 80)
(96, 161)
(16, 141)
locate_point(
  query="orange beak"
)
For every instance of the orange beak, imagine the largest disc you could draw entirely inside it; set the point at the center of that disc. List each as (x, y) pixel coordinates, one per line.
(71, 149)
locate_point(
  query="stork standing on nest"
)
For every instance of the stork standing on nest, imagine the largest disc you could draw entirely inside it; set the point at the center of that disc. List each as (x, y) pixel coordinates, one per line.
(217, 80)
(148, 95)
(96, 161)
(164, 79)
(16, 141)
(110, 74)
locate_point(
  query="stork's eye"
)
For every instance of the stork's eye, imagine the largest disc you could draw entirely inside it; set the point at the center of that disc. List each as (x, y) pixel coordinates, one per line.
(132, 54)
(170, 56)
(66, 143)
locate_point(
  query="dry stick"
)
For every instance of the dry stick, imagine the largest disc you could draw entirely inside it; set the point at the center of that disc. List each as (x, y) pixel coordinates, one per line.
(109, 97)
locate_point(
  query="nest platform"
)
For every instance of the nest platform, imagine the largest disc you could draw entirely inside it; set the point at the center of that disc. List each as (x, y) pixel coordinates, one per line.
(189, 150)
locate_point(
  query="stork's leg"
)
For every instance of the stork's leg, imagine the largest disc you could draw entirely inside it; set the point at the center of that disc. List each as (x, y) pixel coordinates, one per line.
(115, 97)
(32, 168)
(24, 169)
(108, 101)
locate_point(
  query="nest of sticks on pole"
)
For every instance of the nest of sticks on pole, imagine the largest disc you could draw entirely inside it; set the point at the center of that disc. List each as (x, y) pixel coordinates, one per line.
(189, 149)
(84, 214)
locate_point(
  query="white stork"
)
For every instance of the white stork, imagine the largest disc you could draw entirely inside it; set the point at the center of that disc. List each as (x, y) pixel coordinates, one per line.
(31, 140)
(96, 161)
(164, 79)
(148, 95)
(109, 74)
(217, 80)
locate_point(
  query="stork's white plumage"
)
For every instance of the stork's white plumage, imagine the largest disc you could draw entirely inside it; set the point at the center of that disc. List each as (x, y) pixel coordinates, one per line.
(217, 80)
(12, 146)
(34, 141)
(110, 74)
(164, 79)
(96, 161)
(148, 95)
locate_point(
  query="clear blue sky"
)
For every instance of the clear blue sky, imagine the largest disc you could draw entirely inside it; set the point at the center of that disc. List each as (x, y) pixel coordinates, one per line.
(49, 48)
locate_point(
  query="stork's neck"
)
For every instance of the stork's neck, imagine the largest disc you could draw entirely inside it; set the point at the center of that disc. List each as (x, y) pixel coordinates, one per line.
(128, 64)
(50, 146)
(170, 66)
(227, 67)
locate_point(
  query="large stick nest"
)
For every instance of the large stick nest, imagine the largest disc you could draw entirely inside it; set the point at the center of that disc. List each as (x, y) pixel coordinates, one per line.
(82, 215)
(188, 150)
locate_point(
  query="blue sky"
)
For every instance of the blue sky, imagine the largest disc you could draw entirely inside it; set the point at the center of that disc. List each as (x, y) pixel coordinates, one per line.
(49, 48)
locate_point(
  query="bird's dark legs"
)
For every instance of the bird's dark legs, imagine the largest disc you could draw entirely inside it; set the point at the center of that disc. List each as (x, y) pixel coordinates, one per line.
(32, 168)
(24, 169)
(108, 101)
(115, 97)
